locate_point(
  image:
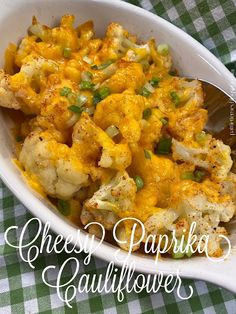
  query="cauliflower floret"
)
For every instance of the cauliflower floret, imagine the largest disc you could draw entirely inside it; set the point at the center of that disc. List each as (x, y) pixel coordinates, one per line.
(64, 35)
(116, 42)
(138, 53)
(124, 111)
(88, 44)
(129, 75)
(90, 139)
(7, 96)
(53, 165)
(228, 186)
(181, 102)
(214, 156)
(16, 91)
(203, 203)
(174, 93)
(161, 62)
(161, 222)
(113, 197)
(106, 217)
(41, 31)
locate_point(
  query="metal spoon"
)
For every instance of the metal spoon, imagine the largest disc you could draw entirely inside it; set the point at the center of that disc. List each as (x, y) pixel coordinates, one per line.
(221, 109)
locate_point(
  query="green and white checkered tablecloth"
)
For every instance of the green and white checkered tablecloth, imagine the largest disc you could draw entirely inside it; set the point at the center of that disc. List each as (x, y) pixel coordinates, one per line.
(213, 23)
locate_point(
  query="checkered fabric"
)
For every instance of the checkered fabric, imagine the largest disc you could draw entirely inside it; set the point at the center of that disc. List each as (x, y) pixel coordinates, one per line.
(212, 22)
(21, 289)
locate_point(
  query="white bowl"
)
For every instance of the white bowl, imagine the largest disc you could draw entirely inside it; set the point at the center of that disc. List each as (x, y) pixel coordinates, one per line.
(190, 57)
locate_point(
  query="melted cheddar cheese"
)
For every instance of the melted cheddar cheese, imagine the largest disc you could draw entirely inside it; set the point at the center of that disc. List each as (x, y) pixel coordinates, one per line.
(108, 132)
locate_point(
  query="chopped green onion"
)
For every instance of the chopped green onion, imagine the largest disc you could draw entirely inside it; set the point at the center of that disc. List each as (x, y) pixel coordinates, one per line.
(139, 182)
(112, 131)
(163, 49)
(76, 109)
(72, 98)
(104, 92)
(87, 60)
(145, 92)
(86, 76)
(188, 252)
(182, 248)
(96, 98)
(164, 146)
(90, 110)
(178, 255)
(147, 113)
(86, 85)
(147, 154)
(19, 138)
(77, 99)
(63, 207)
(101, 66)
(94, 67)
(199, 175)
(65, 91)
(154, 81)
(101, 94)
(149, 87)
(201, 137)
(188, 175)
(164, 121)
(67, 52)
(81, 100)
(175, 98)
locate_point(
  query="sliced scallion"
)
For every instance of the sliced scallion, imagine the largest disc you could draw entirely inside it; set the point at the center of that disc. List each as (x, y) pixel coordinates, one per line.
(145, 92)
(63, 207)
(199, 175)
(90, 110)
(86, 76)
(87, 60)
(163, 49)
(112, 131)
(100, 94)
(86, 85)
(149, 87)
(180, 250)
(101, 66)
(187, 175)
(175, 98)
(139, 182)
(147, 154)
(164, 146)
(164, 121)
(147, 113)
(76, 109)
(104, 92)
(201, 137)
(67, 52)
(96, 98)
(154, 81)
(65, 91)
(81, 100)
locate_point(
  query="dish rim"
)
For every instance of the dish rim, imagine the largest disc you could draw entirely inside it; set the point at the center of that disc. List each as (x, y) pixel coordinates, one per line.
(60, 225)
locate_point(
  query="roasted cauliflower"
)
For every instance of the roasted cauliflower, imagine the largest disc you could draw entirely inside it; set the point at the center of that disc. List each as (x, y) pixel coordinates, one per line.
(106, 131)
